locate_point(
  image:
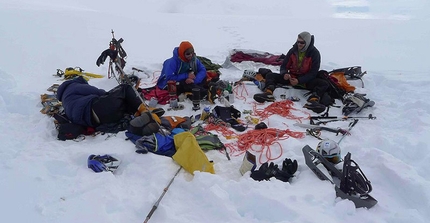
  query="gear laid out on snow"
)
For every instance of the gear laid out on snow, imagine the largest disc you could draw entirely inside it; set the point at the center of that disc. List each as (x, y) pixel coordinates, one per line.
(330, 150)
(269, 170)
(101, 163)
(174, 136)
(315, 106)
(352, 73)
(248, 163)
(117, 62)
(264, 97)
(72, 72)
(350, 182)
(53, 88)
(320, 128)
(351, 125)
(355, 103)
(317, 120)
(51, 104)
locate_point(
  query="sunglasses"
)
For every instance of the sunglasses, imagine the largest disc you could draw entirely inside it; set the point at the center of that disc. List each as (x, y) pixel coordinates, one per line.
(189, 53)
(301, 42)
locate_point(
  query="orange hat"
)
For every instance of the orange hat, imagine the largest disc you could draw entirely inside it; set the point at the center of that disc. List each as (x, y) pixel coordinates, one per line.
(184, 46)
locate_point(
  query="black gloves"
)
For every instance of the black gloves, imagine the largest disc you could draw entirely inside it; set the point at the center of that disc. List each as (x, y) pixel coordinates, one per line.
(289, 166)
(266, 171)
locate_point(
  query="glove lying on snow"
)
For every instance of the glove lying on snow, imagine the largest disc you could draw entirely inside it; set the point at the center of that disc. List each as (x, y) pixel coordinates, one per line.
(267, 171)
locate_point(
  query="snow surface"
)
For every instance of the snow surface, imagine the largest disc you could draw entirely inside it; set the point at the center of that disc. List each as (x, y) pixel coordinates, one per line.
(47, 180)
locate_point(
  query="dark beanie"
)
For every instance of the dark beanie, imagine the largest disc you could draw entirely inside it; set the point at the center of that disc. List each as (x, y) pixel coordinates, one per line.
(306, 36)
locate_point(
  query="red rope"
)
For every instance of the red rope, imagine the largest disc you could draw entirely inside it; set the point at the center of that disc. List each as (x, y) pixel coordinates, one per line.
(262, 141)
(283, 108)
(267, 139)
(240, 91)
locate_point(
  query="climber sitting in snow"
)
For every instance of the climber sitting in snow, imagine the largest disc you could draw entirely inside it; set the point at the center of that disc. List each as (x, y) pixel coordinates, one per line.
(87, 105)
(299, 69)
(185, 69)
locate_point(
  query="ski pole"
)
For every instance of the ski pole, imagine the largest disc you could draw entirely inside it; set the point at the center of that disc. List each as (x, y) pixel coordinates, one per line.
(161, 197)
(226, 153)
(335, 119)
(352, 124)
(370, 116)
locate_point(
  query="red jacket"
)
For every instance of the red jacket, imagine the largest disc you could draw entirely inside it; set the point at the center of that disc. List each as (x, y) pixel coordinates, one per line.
(310, 64)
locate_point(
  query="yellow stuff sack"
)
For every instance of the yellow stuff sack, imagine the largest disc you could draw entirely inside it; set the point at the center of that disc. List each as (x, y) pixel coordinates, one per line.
(189, 154)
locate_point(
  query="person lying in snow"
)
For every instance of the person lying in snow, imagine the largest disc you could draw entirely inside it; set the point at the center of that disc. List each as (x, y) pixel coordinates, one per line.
(299, 69)
(185, 69)
(87, 105)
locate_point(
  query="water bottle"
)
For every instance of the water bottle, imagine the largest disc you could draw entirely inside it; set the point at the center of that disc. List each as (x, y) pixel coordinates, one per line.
(174, 103)
(231, 98)
(229, 87)
(225, 94)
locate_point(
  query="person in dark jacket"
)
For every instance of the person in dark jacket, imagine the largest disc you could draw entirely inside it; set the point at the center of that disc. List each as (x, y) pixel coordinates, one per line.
(185, 69)
(87, 105)
(299, 69)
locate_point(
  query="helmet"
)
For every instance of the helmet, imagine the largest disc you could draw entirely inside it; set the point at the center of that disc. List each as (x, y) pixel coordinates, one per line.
(102, 163)
(330, 150)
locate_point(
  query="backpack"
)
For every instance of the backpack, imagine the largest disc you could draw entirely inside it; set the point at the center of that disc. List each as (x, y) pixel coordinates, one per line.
(338, 86)
(212, 70)
(207, 63)
(68, 130)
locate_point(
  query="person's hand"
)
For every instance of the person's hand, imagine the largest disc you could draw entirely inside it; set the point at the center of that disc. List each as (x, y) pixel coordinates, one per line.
(294, 81)
(191, 75)
(189, 81)
(287, 77)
